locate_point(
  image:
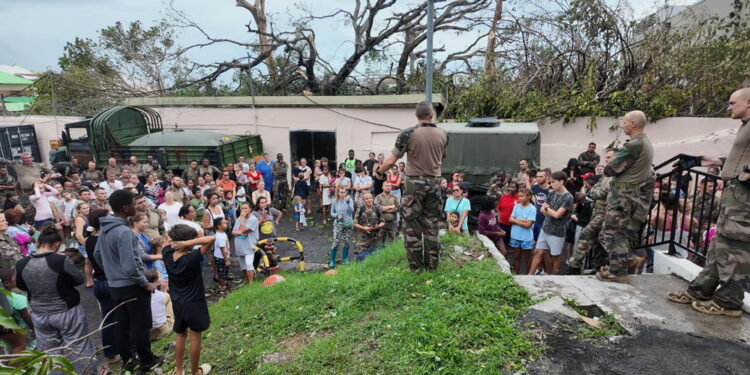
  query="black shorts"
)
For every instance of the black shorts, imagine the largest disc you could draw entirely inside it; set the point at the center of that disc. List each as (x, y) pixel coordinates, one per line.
(222, 271)
(192, 315)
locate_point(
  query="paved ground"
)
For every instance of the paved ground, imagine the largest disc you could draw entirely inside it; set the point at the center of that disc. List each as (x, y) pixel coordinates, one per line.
(642, 303)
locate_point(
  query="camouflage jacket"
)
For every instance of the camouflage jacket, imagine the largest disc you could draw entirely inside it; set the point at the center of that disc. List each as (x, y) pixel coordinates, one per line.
(496, 191)
(598, 193)
(10, 253)
(588, 162)
(632, 163)
(703, 209)
(368, 218)
(279, 170)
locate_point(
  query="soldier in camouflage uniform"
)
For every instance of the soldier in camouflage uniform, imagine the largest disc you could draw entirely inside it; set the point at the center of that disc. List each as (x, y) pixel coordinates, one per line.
(28, 173)
(588, 241)
(7, 184)
(10, 253)
(280, 187)
(368, 221)
(627, 205)
(498, 186)
(421, 201)
(706, 206)
(718, 288)
(389, 206)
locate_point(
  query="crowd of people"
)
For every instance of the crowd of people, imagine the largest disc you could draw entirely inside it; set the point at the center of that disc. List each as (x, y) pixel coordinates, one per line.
(143, 232)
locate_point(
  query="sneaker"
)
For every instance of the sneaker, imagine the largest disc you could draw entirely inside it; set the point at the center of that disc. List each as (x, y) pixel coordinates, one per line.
(155, 362)
(606, 276)
(681, 297)
(713, 308)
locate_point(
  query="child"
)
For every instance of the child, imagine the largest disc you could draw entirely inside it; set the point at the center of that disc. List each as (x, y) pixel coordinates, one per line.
(454, 222)
(188, 293)
(521, 233)
(299, 212)
(301, 188)
(162, 315)
(557, 210)
(68, 204)
(20, 305)
(221, 253)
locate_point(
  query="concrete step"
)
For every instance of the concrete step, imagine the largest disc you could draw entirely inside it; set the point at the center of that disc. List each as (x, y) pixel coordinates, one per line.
(638, 305)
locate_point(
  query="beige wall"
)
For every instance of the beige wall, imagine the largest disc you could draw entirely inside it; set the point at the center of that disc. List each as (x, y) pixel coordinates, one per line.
(274, 125)
(47, 128)
(670, 136)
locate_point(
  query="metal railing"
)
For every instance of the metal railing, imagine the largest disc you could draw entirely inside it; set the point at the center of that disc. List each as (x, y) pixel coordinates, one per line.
(684, 210)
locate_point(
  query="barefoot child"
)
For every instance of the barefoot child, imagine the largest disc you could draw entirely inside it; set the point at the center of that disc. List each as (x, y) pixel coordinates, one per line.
(521, 233)
(299, 213)
(221, 253)
(186, 289)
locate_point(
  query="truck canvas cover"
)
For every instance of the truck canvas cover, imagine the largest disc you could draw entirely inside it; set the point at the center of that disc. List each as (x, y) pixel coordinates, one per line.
(484, 147)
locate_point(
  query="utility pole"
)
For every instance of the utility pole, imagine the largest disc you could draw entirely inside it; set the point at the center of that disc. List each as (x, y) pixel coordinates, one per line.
(428, 59)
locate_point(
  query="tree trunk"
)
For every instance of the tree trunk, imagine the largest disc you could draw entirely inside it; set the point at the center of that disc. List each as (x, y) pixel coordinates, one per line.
(489, 54)
(258, 10)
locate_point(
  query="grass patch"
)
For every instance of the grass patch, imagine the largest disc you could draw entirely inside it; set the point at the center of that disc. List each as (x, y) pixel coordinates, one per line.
(374, 317)
(468, 242)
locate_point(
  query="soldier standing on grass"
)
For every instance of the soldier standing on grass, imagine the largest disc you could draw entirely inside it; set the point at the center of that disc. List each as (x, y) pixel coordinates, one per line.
(280, 186)
(421, 201)
(719, 287)
(389, 206)
(368, 221)
(627, 206)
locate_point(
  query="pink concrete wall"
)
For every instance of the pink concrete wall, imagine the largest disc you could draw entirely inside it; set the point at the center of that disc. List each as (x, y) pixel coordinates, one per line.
(670, 136)
(354, 127)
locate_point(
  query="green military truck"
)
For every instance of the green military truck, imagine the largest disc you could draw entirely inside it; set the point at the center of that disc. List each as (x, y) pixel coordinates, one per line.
(125, 131)
(483, 147)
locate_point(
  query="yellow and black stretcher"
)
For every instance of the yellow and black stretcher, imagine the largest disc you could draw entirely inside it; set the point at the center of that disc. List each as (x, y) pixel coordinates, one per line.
(258, 248)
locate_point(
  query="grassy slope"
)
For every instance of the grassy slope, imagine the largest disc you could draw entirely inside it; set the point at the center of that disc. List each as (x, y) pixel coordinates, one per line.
(374, 317)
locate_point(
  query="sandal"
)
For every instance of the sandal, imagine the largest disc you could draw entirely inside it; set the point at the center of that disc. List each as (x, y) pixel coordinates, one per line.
(681, 297)
(205, 368)
(713, 308)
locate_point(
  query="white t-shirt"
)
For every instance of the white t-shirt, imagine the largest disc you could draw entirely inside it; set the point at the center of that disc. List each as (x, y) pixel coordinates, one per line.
(117, 185)
(308, 172)
(173, 212)
(158, 309)
(221, 241)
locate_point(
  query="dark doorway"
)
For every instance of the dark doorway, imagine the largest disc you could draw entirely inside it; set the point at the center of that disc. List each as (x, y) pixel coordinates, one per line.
(313, 145)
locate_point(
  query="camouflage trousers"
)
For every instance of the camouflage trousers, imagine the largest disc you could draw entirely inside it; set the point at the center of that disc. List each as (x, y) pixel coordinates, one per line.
(627, 209)
(388, 233)
(366, 240)
(280, 192)
(588, 243)
(421, 204)
(29, 210)
(728, 264)
(341, 235)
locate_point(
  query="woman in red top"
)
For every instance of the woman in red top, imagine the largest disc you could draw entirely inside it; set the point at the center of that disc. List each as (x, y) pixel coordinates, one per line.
(505, 207)
(253, 177)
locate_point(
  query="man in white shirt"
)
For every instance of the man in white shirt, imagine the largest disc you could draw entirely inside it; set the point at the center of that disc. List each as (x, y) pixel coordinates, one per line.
(111, 185)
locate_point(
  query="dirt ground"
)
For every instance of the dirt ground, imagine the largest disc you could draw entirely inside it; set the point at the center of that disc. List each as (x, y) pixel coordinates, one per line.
(651, 351)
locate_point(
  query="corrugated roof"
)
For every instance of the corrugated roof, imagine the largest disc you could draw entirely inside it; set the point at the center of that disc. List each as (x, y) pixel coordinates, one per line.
(288, 101)
(9, 79)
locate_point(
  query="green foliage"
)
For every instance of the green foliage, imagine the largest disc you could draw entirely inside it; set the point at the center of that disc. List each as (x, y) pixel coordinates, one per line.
(665, 71)
(374, 317)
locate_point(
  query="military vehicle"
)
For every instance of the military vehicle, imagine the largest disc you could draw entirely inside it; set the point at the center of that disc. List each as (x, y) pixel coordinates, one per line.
(483, 147)
(121, 132)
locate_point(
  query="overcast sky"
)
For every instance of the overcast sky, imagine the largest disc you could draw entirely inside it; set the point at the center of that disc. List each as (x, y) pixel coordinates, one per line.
(35, 31)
